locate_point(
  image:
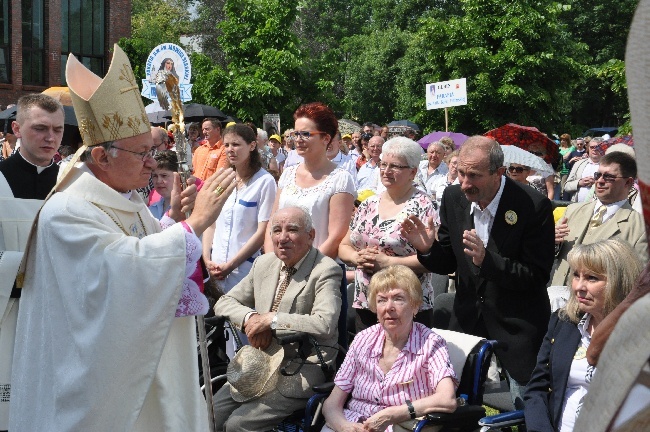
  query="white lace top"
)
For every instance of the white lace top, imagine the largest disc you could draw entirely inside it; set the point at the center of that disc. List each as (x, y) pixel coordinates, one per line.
(315, 199)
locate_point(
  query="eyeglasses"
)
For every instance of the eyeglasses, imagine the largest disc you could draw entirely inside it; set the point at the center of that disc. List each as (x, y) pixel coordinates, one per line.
(306, 135)
(390, 167)
(146, 154)
(518, 170)
(608, 178)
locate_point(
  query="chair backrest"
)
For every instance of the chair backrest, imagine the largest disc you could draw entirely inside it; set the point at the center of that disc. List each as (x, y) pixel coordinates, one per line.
(440, 284)
(443, 305)
(470, 357)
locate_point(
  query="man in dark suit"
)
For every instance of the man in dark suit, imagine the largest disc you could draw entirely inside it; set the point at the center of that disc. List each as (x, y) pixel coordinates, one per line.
(498, 237)
(295, 288)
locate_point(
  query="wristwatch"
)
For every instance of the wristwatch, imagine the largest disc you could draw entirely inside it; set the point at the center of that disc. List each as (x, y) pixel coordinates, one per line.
(274, 322)
(411, 408)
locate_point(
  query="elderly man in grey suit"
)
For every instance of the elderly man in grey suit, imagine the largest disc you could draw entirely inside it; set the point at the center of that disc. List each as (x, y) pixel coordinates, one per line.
(295, 288)
(609, 215)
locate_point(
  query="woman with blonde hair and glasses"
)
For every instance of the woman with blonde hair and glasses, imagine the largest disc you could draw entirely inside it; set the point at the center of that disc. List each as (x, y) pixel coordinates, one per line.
(603, 274)
(373, 240)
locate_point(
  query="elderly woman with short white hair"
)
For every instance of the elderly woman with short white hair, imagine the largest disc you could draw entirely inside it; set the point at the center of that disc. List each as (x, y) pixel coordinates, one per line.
(374, 241)
(395, 371)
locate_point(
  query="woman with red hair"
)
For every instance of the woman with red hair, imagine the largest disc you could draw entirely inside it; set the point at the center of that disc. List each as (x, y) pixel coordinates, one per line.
(317, 184)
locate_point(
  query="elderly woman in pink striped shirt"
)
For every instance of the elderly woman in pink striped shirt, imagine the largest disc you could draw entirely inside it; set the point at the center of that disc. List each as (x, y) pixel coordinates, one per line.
(396, 370)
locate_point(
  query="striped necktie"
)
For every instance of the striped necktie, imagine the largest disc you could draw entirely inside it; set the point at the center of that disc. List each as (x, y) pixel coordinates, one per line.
(597, 218)
(288, 272)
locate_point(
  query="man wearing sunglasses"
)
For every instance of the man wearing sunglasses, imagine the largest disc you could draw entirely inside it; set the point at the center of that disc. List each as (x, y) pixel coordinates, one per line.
(609, 215)
(581, 177)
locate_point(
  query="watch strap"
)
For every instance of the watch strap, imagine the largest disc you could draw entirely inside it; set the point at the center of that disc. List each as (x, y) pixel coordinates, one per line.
(411, 408)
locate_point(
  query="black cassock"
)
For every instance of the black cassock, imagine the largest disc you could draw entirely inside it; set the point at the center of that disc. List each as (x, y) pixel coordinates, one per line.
(24, 179)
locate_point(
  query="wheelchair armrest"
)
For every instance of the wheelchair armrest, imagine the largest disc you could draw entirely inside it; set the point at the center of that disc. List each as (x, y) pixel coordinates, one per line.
(286, 339)
(465, 414)
(215, 321)
(324, 388)
(511, 418)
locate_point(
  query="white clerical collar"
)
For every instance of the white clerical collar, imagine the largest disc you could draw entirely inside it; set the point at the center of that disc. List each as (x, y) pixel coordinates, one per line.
(494, 204)
(39, 169)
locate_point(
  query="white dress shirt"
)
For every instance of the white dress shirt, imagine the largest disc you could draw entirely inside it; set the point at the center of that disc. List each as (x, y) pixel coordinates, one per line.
(484, 219)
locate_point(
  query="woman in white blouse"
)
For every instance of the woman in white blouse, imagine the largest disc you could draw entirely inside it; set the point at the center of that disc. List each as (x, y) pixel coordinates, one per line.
(232, 244)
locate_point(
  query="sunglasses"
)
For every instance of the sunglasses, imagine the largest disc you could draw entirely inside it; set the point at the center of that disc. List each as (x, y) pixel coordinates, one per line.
(517, 170)
(608, 178)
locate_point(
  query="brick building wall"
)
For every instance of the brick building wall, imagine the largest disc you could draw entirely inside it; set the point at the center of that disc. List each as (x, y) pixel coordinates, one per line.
(118, 25)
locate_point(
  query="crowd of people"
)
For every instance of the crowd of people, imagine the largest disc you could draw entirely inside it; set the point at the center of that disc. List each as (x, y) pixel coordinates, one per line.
(287, 224)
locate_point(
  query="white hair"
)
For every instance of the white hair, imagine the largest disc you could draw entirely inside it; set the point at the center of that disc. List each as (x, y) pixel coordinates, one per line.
(403, 147)
(436, 143)
(261, 134)
(305, 218)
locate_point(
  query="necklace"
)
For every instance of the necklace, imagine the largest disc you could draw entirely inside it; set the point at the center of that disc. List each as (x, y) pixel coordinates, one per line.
(119, 225)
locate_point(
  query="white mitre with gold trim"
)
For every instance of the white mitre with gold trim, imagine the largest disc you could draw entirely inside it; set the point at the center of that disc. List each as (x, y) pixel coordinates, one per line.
(107, 109)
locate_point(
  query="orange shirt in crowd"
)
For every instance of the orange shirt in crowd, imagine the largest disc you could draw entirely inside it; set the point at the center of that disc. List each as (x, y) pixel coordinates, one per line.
(207, 160)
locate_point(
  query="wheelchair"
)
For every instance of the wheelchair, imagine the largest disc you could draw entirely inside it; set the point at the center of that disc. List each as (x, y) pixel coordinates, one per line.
(467, 353)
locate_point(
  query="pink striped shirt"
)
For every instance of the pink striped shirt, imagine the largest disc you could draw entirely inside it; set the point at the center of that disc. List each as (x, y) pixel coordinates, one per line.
(419, 367)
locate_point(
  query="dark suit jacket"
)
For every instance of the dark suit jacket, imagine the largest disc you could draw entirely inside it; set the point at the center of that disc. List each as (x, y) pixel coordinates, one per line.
(506, 298)
(545, 392)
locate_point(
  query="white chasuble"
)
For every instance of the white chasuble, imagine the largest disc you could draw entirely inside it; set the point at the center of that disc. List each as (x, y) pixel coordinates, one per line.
(98, 347)
(16, 218)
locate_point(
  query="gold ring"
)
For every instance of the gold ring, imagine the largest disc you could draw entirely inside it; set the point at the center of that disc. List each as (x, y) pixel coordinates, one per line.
(219, 190)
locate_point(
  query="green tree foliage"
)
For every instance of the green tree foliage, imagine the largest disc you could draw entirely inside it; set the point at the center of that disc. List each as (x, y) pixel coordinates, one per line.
(602, 25)
(557, 66)
(370, 93)
(520, 63)
(262, 57)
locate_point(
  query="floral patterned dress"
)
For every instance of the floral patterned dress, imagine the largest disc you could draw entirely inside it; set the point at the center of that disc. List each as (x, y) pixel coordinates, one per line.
(367, 229)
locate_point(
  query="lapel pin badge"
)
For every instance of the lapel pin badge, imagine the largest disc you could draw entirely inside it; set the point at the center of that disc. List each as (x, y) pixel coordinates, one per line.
(511, 217)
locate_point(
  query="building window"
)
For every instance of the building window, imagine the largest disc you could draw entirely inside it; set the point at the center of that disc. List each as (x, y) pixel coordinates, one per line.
(33, 42)
(5, 44)
(83, 34)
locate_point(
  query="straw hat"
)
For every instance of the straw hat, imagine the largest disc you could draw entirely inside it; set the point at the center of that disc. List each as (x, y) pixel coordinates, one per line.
(253, 372)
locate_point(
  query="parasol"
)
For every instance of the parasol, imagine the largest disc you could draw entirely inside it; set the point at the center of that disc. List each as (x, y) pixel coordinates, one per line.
(527, 138)
(62, 94)
(458, 138)
(404, 124)
(625, 139)
(516, 155)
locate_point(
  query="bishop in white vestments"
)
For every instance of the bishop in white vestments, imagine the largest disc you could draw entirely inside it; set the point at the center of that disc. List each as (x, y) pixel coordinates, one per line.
(106, 336)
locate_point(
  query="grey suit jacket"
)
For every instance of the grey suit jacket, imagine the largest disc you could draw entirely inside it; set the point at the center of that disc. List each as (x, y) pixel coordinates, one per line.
(627, 224)
(311, 304)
